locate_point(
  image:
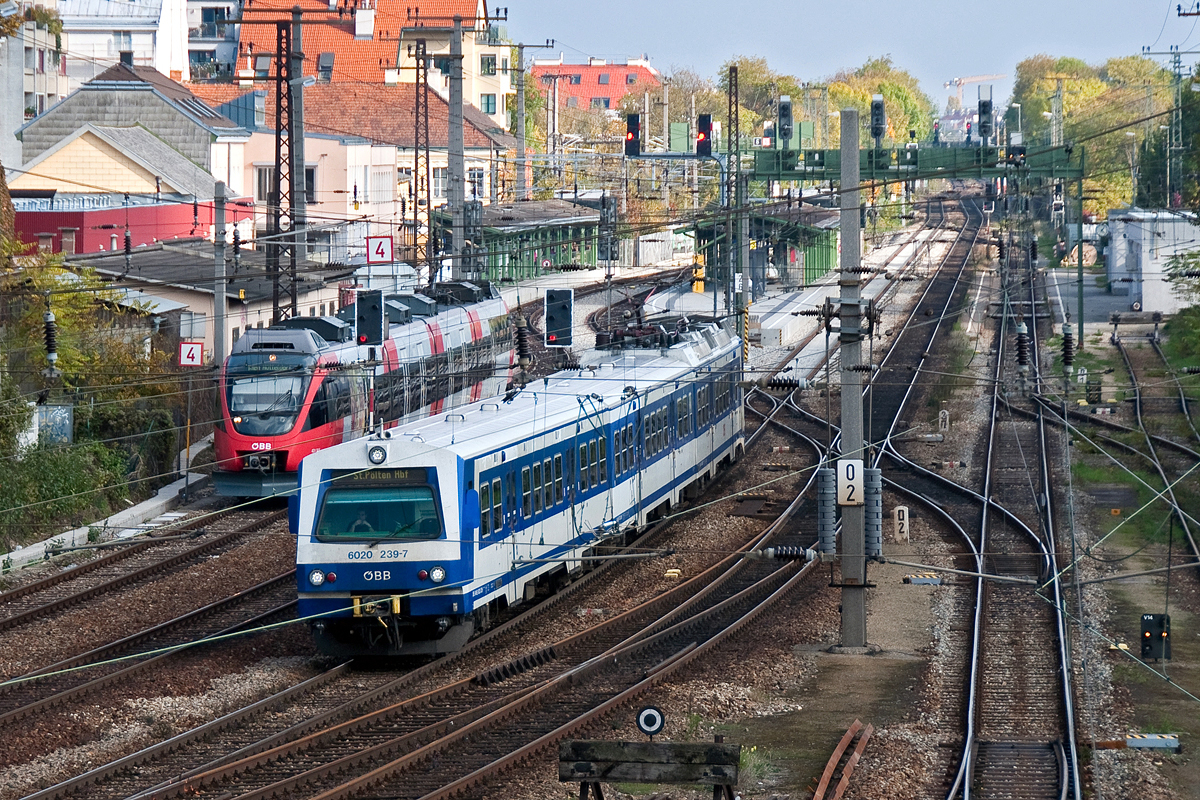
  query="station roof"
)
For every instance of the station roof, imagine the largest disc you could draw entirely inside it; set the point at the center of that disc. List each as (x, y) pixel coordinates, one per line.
(188, 264)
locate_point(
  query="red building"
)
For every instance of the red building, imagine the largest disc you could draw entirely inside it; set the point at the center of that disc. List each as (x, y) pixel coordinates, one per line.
(598, 85)
(91, 223)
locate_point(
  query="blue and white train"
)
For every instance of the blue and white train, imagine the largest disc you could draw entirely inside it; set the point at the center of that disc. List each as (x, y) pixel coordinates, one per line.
(409, 542)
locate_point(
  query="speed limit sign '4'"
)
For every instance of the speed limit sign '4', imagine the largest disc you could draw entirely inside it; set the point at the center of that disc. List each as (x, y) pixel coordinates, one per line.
(850, 482)
(191, 354)
(379, 250)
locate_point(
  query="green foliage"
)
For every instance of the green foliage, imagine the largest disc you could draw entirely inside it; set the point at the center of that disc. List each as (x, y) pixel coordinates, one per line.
(14, 413)
(53, 487)
(908, 108)
(1100, 105)
(1184, 333)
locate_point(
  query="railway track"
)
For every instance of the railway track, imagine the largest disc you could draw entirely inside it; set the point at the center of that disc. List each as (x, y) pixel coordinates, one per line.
(88, 673)
(1013, 700)
(346, 692)
(176, 547)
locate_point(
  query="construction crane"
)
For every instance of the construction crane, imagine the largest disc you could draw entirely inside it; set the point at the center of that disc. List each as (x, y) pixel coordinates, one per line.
(961, 82)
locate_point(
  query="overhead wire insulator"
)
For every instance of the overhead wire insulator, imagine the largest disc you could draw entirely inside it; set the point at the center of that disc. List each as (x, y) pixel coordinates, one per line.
(1022, 347)
(1068, 351)
(524, 353)
(51, 338)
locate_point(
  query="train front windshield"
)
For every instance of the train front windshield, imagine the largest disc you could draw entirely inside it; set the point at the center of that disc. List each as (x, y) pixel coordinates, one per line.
(266, 392)
(401, 513)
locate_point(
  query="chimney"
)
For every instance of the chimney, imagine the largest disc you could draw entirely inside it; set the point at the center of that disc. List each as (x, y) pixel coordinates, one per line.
(113, 239)
(364, 21)
(68, 240)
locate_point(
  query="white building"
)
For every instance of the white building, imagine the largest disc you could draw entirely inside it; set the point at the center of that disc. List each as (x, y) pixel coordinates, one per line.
(141, 33)
(32, 74)
(1141, 243)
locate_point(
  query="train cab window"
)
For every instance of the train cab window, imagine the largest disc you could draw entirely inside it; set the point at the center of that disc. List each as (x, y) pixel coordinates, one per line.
(526, 496)
(558, 479)
(485, 508)
(537, 488)
(547, 484)
(583, 468)
(407, 512)
(603, 459)
(497, 507)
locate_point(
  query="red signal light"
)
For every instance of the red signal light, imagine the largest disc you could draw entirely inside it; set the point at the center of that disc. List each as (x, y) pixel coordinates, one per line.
(362, 338)
(551, 337)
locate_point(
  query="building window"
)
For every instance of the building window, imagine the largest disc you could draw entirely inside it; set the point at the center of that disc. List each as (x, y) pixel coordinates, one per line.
(487, 65)
(263, 184)
(572, 102)
(487, 103)
(442, 64)
(603, 79)
(475, 183)
(576, 80)
(599, 102)
(439, 181)
(310, 185)
(325, 67)
(212, 23)
(630, 78)
(41, 62)
(382, 185)
(122, 41)
(191, 326)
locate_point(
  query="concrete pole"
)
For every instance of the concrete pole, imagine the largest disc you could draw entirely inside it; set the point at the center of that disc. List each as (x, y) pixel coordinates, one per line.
(521, 195)
(854, 563)
(666, 190)
(455, 166)
(1079, 244)
(219, 302)
(693, 167)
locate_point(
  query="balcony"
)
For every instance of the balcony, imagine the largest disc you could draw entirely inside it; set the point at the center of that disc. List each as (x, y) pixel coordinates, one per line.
(212, 32)
(492, 36)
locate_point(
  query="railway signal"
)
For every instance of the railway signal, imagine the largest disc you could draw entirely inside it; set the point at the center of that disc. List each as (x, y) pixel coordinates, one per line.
(878, 118)
(368, 313)
(633, 135)
(786, 127)
(559, 305)
(704, 129)
(1156, 636)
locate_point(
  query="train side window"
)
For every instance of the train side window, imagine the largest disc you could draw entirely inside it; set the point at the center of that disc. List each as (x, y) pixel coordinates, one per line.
(558, 478)
(485, 503)
(318, 414)
(647, 447)
(583, 468)
(665, 427)
(683, 417)
(604, 459)
(537, 488)
(631, 443)
(526, 496)
(594, 457)
(497, 507)
(547, 484)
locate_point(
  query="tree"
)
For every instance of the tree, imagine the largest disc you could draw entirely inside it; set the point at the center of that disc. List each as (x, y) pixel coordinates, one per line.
(908, 108)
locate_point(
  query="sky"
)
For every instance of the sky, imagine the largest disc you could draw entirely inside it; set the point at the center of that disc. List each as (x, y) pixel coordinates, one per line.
(933, 39)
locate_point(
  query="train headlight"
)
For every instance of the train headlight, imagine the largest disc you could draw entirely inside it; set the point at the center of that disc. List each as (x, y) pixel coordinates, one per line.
(437, 574)
(377, 454)
(316, 577)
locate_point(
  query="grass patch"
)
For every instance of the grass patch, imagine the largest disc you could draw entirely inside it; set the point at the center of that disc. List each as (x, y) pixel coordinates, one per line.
(958, 353)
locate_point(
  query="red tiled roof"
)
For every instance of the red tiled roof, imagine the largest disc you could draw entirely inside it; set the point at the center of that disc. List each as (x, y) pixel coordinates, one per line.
(215, 94)
(333, 32)
(589, 85)
(382, 114)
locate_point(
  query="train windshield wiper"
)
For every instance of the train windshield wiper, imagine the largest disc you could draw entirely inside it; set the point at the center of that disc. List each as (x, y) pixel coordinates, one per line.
(266, 412)
(399, 531)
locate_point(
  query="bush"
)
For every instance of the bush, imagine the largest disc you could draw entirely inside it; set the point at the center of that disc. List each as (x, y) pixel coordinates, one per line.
(55, 487)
